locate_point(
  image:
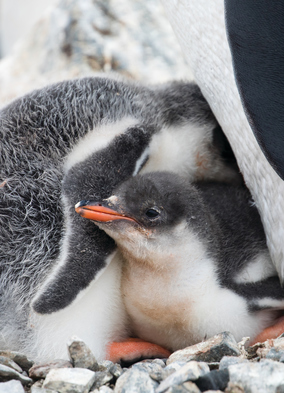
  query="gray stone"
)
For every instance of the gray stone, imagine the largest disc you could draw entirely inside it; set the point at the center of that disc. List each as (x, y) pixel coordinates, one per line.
(37, 389)
(213, 391)
(18, 358)
(177, 389)
(7, 373)
(227, 361)
(102, 389)
(11, 387)
(234, 388)
(211, 350)
(175, 365)
(66, 380)
(10, 363)
(102, 378)
(262, 349)
(160, 362)
(116, 370)
(105, 365)
(41, 370)
(215, 380)
(191, 387)
(154, 370)
(81, 356)
(275, 355)
(262, 377)
(189, 372)
(135, 381)
(105, 389)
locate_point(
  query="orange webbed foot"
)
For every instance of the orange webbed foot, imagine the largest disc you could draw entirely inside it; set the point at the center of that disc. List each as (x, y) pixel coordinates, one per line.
(271, 332)
(133, 349)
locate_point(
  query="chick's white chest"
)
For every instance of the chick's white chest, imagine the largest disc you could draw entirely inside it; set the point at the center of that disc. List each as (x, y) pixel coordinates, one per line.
(178, 301)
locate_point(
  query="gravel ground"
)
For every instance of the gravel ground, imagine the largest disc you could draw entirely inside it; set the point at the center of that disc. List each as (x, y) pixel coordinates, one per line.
(219, 364)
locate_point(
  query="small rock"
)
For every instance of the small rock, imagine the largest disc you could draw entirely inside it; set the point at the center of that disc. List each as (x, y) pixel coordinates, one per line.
(81, 356)
(175, 365)
(154, 370)
(101, 378)
(18, 358)
(191, 387)
(275, 355)
(262, 377)
(262, 349)
(209, 351)
(7, 373)
(215, 380)
(116, 370)
(11, 387)
(105, 389)
(41, 370)
(230, 360)
(37, 389)
(160, 362)
(189, 372)
(177, 389)
(105, 365)
(63, 380)
(135, 381)
(213, 391)
(102, 389)
(234, 388)
(10, 363)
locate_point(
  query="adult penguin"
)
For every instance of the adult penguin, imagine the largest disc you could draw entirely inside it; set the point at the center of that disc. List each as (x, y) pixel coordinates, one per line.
(235, 51)
(53, 141)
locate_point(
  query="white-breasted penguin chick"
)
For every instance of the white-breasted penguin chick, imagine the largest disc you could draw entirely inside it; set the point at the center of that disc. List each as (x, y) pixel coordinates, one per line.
(195, 259)
(57, 145)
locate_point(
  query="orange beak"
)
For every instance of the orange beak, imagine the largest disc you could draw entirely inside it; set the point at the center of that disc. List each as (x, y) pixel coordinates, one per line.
(96, 212)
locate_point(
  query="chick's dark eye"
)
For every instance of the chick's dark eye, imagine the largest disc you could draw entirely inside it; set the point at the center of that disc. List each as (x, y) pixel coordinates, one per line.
(152, 213)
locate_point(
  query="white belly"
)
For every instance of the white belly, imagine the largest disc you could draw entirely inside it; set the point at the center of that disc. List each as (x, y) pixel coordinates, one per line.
(177, 308)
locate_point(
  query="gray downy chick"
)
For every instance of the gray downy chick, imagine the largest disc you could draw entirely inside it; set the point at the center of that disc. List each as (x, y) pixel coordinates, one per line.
(195, 258)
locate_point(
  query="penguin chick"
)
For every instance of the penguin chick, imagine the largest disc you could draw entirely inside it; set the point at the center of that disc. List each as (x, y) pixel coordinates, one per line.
(195, 258)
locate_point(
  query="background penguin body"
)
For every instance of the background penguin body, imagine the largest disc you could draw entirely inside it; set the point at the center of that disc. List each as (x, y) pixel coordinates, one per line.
(195, 259)
(73, 139)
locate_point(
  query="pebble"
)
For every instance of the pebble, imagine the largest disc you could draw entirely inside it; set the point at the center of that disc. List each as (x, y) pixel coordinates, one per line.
(102, 378)
(189, 372)
(135, 381)
(262, 377)
(227, 361)
(105, 365)
(7, 373)
(10, 363)
(11, 387)
(39, 371)
(211, 350)
(214, 380)
(81, 356)
(65, 380)
(187, 387)
(103, 389)
(116, 370)
(18, 358)
(36, 389)
(154, 370)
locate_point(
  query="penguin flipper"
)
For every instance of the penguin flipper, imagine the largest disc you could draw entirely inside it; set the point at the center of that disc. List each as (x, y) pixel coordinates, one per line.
(85, 248)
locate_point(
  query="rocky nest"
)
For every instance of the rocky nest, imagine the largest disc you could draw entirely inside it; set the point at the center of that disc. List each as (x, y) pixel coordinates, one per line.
(219, 364)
